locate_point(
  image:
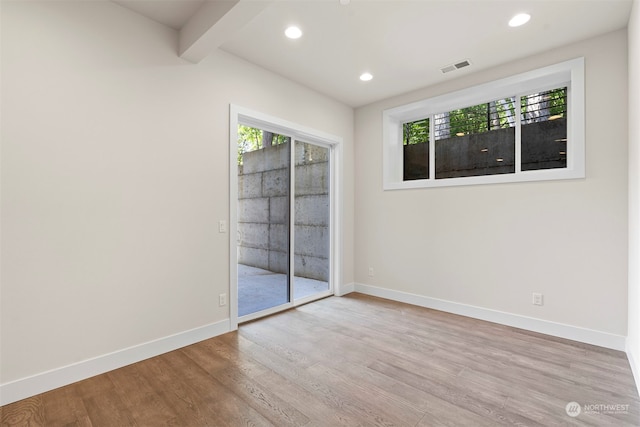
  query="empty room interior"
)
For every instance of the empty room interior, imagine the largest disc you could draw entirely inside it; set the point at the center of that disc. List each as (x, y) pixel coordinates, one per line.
(320, 213)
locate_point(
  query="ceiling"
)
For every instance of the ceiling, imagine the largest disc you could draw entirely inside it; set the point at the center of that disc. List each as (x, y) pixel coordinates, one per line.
(172, 13)
(404, 44)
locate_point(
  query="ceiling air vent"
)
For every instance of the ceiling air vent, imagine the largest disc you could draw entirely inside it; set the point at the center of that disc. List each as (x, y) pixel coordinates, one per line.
(455, 66)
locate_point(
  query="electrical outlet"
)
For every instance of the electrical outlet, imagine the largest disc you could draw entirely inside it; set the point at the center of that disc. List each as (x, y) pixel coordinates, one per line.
(222, 226)
(222, 300)
(371, 272)
(537, 299)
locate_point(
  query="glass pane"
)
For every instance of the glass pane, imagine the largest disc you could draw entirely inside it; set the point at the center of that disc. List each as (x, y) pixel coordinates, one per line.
(263, 220)
(544, 130)
(311, 207)
(476, 140)
(415, 137)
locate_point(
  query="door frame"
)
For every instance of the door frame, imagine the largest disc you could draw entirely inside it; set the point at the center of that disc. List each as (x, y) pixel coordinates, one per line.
(240, 115)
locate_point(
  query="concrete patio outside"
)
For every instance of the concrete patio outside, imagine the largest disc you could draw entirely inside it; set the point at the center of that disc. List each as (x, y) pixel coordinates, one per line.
(259, 289)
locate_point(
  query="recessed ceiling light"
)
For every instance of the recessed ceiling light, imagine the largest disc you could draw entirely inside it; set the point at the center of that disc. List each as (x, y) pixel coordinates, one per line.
(519, 19)
(365, 77)
(293, 32)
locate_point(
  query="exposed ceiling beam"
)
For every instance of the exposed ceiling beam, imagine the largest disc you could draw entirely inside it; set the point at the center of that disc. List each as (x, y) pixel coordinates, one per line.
(213, 24)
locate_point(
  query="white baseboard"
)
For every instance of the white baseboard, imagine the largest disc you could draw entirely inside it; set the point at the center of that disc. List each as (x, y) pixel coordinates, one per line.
(45, 381)
(589, 336)
(634, 368)
(345, 289)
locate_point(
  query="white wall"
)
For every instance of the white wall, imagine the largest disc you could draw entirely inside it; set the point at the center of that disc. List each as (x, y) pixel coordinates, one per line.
(114, 175)
(491, 246)
(633, 339)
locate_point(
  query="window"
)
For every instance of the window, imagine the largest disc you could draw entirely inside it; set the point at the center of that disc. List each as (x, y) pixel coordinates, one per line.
(476, 140)
(544, 130)
(415, 136)
(528, 127)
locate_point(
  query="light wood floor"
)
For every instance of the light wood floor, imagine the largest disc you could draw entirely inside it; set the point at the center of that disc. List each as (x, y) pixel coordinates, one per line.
(352, 361)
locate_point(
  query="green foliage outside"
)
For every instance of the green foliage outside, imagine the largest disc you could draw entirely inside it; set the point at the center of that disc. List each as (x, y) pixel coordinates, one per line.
(488, 116)
(252, 139)
(416, 132)
(482, 118)
(553, 103)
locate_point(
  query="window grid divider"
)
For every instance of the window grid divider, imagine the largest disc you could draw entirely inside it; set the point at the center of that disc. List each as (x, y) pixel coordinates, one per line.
(518, 136)
(432, 147)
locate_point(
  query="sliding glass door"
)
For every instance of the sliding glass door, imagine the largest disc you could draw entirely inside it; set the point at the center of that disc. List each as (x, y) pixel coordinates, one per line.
(311, 214)
(264, 184)
(283, 222)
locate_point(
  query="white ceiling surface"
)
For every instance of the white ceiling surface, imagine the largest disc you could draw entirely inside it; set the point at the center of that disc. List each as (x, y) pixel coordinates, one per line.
(172, 13)
(402, 43)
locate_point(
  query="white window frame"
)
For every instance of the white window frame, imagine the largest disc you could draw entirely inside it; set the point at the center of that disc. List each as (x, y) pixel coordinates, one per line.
(569, 73)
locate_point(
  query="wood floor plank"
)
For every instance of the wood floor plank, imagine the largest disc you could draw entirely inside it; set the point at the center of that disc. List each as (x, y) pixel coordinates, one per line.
(240, 382)
(551, 383)
(65, 407)
(272, 407)
(378, 407)
(216, 404)
(319, 413)
(277, 342)
(147, 406)
(484, 404)
(108, 409)
(28, 412)
(220, 357)
(539, 407)
(342, 398)
(103, 404)
(353, 361)
(441, 413)
(170, 384)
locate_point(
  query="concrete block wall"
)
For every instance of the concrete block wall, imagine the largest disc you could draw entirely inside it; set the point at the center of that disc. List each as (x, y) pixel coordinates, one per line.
(263, 210)
(476, 154)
